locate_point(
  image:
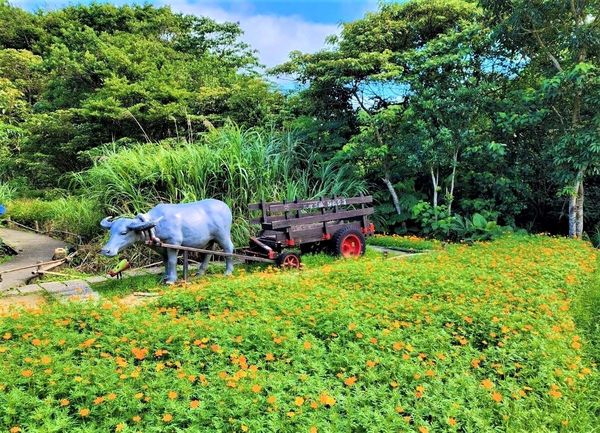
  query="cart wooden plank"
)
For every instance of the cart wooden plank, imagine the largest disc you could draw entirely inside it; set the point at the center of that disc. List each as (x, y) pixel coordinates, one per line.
(278, 206)
(318, 218)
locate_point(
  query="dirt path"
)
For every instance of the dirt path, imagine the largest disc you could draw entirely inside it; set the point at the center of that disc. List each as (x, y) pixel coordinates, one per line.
(32, 248)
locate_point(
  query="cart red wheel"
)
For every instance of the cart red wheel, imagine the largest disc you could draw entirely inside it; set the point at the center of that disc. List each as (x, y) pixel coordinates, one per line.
(348, 242)
(288, 260)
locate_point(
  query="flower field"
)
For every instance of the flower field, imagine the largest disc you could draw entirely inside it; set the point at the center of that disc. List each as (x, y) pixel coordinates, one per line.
(467, 339)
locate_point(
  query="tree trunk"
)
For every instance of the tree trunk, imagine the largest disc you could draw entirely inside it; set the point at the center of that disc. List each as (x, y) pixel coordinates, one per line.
(576, 208)
(451, 195)
(393, 193)
(434, 181)
(572, 213)
(579, 211)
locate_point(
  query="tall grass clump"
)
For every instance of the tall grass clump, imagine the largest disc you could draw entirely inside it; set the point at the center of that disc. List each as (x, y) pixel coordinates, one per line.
(7, 192)
(66, 216)
(234, 165)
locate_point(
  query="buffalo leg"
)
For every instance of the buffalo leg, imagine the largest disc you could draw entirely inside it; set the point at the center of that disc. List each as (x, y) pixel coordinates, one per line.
(205, 260)
(227, 245)
(171, 267)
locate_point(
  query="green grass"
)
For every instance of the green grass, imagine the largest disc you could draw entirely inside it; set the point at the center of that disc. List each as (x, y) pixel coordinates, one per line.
(409, 243)
(482, 338)
(138, 283)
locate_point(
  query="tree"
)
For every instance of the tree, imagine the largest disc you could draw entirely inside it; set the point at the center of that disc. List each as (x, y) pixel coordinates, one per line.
(418, 64)
(560, 41)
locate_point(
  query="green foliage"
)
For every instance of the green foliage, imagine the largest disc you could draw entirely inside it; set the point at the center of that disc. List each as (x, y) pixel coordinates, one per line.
(476, 228)
(435, 221)
(370, 344)
(438, 223)
(232, 164)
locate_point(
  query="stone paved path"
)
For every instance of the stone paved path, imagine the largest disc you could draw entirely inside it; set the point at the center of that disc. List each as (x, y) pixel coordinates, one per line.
(32, 248)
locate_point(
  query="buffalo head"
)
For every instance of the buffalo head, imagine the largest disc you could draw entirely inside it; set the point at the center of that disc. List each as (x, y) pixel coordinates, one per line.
(125, 232)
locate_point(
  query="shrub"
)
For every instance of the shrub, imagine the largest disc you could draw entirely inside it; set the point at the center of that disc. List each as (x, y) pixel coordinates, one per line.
(440, 224)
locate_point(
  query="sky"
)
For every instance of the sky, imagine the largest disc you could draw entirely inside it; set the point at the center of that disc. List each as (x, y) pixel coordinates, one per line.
(273, 27)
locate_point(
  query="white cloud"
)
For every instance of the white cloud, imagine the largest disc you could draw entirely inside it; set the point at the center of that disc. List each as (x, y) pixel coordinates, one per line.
(273, 36)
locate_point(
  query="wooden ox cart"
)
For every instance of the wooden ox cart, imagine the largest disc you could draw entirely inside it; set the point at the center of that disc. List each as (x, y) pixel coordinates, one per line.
(337, 225)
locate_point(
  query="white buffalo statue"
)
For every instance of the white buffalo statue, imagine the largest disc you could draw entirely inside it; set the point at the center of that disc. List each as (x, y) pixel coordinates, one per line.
(195, 225)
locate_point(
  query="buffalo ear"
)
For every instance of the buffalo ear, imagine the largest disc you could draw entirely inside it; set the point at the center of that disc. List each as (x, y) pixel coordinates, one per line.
(106, 223)
(142, 223)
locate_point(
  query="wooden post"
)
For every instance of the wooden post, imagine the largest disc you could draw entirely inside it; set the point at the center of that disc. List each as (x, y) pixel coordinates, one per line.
(263, 208)
(365, 221)
(185, 265)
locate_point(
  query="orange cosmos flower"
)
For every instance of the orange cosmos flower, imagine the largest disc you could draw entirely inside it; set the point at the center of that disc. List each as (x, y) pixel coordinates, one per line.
(194, 404)
(313, 429)
(554, 392)
(350, 381)
(27, 373)
(84, 412)
(299, 401)
(487, 384)
(15, 429)
(120, 427)
(98, 400)
(111, 396)
(452, 421)
(136, 418)
(307, 345)
(398, 345)
(167, 417)
(269, 357)
(139, 353)
(256, 388)
(271, 399)
(496, 396)
(423, 429)
(326, 399)
(172, 395)
(64, 402)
